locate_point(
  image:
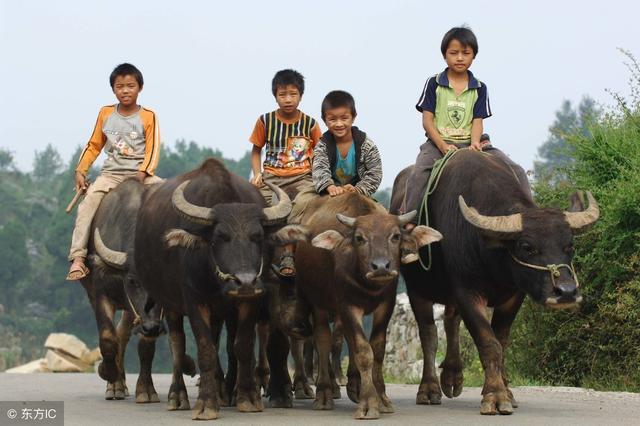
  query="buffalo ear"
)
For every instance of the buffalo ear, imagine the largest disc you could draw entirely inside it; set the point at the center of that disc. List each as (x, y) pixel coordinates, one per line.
(181, 238)
(291, 234)
(327, 240)
(577, 202)
(425, 235)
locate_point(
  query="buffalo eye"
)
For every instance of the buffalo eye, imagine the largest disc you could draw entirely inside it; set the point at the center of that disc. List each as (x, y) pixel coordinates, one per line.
(396, 237)
(224, 237)
(569, 249)
(360, 240)
(527, 248)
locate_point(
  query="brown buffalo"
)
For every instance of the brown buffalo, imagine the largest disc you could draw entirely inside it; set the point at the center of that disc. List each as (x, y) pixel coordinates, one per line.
(351, 269)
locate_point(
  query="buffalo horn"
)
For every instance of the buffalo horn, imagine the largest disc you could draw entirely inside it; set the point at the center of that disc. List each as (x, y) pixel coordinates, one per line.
(281, 210)
(115, 259)
(193, 213)
(346, 220)
(499, 226)
(579, 221)
(406, 218)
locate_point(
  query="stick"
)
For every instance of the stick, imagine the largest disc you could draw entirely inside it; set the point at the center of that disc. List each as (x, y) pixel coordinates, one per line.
(74, 201)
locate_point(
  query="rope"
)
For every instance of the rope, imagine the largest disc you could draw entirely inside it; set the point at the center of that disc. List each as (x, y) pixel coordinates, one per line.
(553, 269)
(137, 320)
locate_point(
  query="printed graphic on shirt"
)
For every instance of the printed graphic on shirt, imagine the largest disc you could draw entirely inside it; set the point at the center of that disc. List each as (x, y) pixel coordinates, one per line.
(296, 154)
(456, 113)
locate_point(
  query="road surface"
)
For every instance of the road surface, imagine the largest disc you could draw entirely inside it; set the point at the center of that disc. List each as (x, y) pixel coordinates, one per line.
(84, 404)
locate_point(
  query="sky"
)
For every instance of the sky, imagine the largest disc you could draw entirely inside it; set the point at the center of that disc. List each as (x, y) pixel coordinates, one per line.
(208, 65)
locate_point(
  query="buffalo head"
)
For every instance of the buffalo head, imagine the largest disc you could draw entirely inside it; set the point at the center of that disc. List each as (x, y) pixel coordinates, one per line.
(540, 246)
(374, 242)
(234, 238)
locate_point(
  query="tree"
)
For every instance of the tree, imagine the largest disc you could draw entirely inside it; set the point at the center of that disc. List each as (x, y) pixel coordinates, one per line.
(556, 154)
(6, 160)
(47, 164)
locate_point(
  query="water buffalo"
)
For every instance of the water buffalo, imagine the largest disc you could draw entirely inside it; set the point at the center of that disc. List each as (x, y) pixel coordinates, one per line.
(115, 222)
(350, 269)
(498, 246)
(201, 251)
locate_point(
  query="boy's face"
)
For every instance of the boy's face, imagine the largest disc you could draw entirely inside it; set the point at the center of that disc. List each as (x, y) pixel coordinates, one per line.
(126, 89)
(458, 57)
(339, 121)
(288, 98)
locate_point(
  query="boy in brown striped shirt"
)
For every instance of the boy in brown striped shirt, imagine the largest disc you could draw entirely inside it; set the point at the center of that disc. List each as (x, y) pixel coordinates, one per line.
(130, 136)
(289, 136)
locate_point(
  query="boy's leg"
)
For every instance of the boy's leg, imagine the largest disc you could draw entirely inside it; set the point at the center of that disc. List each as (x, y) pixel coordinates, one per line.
(86, 210)
(416, 186)
(417, 182)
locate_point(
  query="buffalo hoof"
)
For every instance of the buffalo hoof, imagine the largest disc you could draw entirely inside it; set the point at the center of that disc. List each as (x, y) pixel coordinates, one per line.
(280, 401)
(514, 403)
(335, 390)
(262, 378)
(324, 399)
(281, 396)
(117, 390)
(451, 382)
(205, 410)
(367, 412)
(146, 394)
(496, 402)
(189, 366)
(108, 371)
(250, 402)
(386, 406)
(353, 390)
(302, 390)
(178, 400)
(429, 394)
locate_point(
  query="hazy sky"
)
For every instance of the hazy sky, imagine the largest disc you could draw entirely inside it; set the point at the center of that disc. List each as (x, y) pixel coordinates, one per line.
(208, 65)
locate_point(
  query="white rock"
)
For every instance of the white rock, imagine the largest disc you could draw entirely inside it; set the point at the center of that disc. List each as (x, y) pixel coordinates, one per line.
(37, 366)
(67, 343)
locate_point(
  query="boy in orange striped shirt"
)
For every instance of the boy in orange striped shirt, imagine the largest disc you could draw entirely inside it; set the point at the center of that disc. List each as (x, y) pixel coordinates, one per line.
(130, 136)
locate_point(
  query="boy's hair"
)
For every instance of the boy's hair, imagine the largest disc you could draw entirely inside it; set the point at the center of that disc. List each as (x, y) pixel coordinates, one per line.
(464, 35)
(337, 99)
(286, 77)
(126, 69)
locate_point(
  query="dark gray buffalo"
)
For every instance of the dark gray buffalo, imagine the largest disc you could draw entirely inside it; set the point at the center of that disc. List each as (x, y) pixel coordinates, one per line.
(498, 246)
(201, 251)
(114, 225)
(351, 269)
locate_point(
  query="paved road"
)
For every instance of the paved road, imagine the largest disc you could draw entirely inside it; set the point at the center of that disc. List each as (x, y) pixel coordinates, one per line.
(84, 405)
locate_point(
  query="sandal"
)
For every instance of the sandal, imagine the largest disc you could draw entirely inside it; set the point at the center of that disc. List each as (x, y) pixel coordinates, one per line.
(287, 266)
(77, 271)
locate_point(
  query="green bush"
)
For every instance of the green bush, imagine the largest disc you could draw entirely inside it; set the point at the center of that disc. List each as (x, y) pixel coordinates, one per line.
(599, 345)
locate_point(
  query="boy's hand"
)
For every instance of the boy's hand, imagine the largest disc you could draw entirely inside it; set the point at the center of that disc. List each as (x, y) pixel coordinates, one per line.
(349, 188)
(141, 176)
(475, 146)
(81, 182)
(335, 190)
(256, 180)
(447, 147)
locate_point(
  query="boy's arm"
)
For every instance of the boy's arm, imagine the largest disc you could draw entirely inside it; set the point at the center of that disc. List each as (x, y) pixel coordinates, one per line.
(370, 182)
(481, 110)
(258, 138)
(476, 133)
(429, 124)
(256, 166)
(91, 151)
(320, 168)
(152, 145)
